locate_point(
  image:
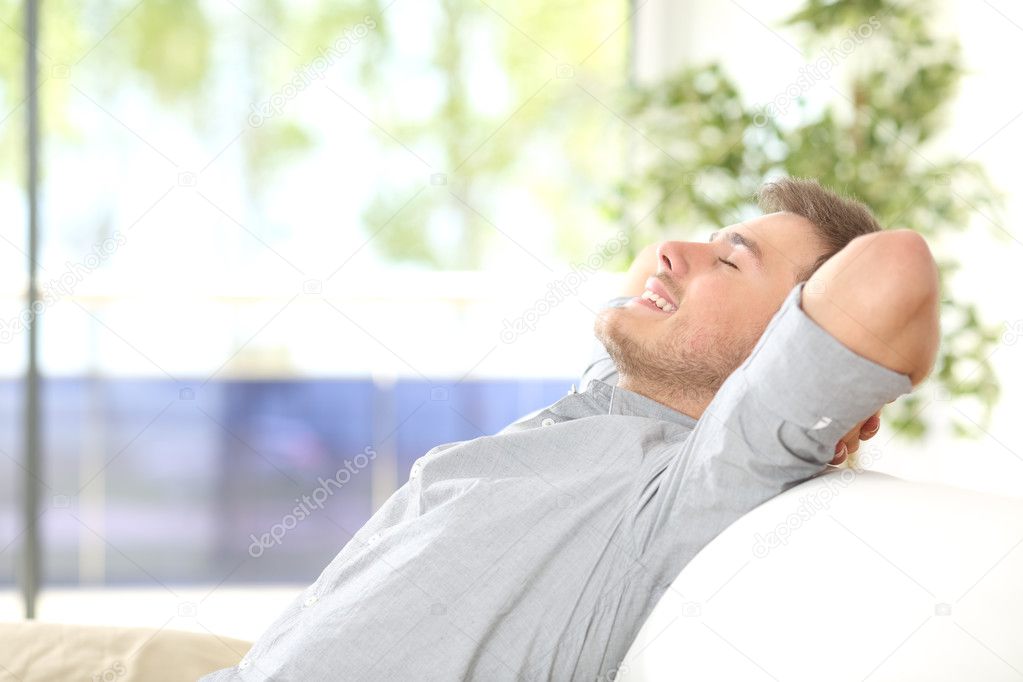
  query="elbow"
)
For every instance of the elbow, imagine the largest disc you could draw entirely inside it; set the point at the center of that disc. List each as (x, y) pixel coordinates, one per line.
(916, 295)
(893, 293)
(905, 271)
(919, 271)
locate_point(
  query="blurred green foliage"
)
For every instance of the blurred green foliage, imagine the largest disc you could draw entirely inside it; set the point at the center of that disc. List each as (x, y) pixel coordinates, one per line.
(171, 43)
(548, 139)
(710, 152)
(166, 48)
(494, 101)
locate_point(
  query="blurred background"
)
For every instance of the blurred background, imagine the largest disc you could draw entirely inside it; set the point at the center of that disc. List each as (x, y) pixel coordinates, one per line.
(284, 249)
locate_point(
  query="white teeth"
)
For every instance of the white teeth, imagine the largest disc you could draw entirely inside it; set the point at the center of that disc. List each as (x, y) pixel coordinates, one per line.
(661, 303)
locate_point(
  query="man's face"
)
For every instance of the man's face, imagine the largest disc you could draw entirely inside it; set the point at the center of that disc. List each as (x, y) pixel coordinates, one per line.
(713, 313)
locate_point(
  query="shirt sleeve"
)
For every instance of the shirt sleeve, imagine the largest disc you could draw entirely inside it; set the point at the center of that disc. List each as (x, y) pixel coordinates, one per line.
(773, 424)
(600, 365)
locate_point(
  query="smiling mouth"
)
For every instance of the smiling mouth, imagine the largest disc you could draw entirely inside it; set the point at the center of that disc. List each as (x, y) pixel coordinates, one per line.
(663, 304)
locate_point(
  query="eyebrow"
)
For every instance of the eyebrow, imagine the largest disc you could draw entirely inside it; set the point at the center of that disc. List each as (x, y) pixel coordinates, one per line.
(740, 240)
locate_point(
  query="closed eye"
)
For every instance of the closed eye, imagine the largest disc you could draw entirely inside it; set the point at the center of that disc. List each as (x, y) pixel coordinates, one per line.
(727, 262)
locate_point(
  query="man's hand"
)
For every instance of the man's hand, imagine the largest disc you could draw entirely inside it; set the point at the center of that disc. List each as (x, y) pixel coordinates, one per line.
(850, 443)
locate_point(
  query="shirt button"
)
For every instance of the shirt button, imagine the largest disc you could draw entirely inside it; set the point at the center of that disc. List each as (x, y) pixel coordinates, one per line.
(547, 422)
(373, 539)
(243, 664)
(310, 600)
(415, 470)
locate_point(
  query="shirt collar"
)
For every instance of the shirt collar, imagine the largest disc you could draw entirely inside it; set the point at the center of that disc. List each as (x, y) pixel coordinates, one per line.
(617, 400)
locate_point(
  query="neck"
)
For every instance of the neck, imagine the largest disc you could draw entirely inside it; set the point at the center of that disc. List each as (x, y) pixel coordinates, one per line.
(691, 403)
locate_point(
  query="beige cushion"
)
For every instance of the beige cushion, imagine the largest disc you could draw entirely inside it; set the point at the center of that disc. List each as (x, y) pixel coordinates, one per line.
(51, 651)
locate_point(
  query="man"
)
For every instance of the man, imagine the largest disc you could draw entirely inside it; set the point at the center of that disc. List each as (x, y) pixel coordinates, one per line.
(745, 364)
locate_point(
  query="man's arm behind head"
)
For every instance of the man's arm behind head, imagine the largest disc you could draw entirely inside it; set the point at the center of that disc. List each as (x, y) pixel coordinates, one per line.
(879, 296)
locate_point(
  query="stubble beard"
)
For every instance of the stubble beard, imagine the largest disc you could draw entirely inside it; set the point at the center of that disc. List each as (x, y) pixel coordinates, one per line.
(685, 371)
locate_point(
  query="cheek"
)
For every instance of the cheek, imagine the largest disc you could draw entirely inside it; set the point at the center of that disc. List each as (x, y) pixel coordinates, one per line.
(724, 306)
(701, 338)
(709, 324)
(692, 334)
(710, 294)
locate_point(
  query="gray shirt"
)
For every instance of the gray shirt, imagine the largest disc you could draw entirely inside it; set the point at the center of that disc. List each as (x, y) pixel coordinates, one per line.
(538, 553)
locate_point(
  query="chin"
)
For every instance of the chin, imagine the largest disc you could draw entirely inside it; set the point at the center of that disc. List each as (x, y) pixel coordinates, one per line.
(615, 330)
(605, 327)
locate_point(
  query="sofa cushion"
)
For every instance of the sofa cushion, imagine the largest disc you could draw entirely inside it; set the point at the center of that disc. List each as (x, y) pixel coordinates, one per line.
(848, 577)
(31, 651)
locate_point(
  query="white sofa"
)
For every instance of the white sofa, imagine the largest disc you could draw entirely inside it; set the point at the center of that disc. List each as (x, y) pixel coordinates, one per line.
(848, 577)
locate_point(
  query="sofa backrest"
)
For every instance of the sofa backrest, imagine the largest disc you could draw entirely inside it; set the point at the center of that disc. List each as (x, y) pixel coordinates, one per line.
(848, 576)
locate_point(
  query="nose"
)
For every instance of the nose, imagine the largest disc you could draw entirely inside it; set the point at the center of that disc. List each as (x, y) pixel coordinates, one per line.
(678, 258)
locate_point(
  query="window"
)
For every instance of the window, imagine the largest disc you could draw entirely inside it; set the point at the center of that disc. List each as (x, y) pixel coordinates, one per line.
(278, 246)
